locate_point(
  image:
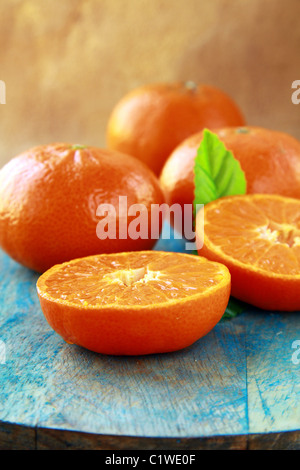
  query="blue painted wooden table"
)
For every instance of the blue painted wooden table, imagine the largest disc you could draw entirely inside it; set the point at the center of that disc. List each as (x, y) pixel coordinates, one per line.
(238, 387)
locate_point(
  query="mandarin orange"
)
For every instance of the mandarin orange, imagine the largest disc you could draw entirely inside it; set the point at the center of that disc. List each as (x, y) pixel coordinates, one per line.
(150, 121)
(49, 197)
(270, 160)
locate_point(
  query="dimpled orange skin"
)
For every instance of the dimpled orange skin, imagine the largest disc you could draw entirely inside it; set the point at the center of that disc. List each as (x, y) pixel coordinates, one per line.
(152, 120)
(49, 196)
(270, 160)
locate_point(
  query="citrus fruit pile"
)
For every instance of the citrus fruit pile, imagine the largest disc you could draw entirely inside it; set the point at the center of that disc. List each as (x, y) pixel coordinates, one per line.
(111, 293)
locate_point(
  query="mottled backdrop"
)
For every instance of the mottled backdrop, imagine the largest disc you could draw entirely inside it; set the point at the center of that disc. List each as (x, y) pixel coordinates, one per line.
(66, 63)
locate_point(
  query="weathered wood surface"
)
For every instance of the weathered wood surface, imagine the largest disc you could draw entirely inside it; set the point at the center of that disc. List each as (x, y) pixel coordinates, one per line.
(236, 388)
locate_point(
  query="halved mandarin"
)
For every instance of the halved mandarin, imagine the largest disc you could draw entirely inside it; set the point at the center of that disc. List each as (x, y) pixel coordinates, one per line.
(258, 238)
(134, 303)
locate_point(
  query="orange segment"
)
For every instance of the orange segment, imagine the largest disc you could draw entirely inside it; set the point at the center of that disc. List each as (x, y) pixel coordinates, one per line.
(258, 238)
(136, 302)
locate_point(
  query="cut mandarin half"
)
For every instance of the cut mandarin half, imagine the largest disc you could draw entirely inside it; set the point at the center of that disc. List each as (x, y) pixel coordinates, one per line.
(258, 238)
(134, 303)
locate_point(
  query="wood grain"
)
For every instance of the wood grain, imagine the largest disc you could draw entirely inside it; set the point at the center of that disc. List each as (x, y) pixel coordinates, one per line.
(17, 437)
(48, 439)
(275, 441)
(273, 379)
(236, 388)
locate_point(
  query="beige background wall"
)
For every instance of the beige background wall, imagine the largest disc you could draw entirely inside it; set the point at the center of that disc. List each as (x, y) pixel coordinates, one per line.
(66, 62)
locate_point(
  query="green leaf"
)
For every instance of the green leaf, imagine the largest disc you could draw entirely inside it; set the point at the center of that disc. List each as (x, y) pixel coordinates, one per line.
(217, 172)
(235, 307)
(77, 147)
